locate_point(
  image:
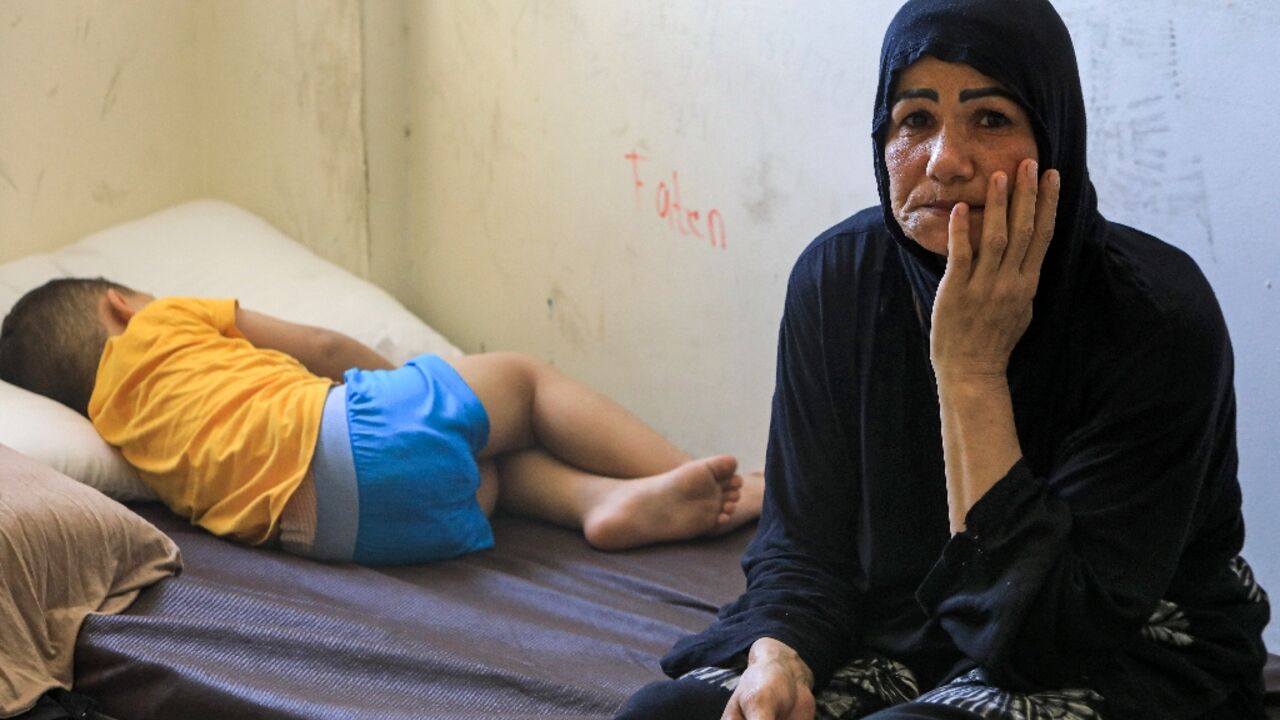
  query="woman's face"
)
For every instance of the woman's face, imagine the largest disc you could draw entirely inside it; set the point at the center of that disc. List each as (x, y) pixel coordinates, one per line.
(950, 128)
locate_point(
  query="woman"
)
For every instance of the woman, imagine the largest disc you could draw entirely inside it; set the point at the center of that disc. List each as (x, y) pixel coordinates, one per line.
(1002, 462)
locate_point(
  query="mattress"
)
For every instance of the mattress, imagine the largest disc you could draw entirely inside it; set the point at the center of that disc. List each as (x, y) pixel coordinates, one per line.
(542, 626)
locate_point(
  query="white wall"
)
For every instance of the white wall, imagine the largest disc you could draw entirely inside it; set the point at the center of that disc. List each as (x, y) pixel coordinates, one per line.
(280, 115)
(97, 116)
(111, 110)
(526, 230)
(1184, 125)
(388, 134)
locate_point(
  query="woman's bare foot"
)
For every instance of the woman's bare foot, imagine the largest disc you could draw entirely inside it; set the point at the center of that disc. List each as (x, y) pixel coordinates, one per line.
(693, 500)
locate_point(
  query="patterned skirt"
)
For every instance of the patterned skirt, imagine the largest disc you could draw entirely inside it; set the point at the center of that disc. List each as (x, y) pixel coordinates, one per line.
(870, 684)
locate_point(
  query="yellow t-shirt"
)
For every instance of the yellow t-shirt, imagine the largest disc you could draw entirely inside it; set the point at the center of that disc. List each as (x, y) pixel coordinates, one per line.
(221, 430)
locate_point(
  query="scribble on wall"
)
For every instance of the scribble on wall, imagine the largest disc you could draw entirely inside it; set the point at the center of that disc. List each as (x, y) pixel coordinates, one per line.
(667, 203)
(1144, 171)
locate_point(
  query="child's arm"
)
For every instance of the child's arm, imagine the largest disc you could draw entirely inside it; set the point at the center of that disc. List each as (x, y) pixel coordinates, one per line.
(324, 352)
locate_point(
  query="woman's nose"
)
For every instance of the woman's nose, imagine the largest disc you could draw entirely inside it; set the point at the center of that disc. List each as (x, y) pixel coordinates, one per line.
(951, 157)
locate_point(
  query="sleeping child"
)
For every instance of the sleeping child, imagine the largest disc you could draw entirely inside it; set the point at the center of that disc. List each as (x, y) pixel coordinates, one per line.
(270, 432)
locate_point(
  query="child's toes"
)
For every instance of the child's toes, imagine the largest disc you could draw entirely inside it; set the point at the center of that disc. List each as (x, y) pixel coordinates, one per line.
(722, 466)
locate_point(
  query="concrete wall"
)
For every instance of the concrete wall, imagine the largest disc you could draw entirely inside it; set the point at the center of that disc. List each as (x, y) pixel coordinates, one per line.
(111, 110)
(98, 116)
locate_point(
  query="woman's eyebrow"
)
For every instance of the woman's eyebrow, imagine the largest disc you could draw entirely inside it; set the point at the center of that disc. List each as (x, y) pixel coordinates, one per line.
(916, 93)
(976, 93)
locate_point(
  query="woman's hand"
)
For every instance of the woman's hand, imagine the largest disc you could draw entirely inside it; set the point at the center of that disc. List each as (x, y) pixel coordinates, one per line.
(777, 685)
(983, 305)
(982, 309)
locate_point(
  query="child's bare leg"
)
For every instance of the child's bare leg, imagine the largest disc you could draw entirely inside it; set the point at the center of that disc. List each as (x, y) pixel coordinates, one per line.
(693, 499)
(487, 494)
(580, 445)
(531, 404)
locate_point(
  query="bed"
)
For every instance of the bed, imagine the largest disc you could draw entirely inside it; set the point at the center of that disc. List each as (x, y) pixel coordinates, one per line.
(539, 627)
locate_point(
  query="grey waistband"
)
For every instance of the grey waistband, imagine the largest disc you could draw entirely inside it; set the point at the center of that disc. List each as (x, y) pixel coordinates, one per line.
(337, 495)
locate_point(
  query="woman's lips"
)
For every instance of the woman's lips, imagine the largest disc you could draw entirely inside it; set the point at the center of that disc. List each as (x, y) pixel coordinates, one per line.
(944, 208)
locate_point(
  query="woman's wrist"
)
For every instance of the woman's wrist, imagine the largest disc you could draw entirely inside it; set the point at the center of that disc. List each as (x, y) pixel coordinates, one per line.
(768, 650)
(979, 438)
(972, 380)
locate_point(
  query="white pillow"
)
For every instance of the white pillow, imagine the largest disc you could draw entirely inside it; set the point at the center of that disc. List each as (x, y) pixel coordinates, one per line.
(61, 438)
(204, 248)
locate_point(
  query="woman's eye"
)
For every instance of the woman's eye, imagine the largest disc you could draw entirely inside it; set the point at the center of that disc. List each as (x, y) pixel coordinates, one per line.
(994, 119)
(916, 120)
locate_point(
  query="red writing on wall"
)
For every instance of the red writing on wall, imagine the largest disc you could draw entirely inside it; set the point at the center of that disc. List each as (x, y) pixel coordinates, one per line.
(667, 204)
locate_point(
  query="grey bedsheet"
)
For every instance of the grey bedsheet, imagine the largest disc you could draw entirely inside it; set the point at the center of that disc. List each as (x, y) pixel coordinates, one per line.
(540, 627)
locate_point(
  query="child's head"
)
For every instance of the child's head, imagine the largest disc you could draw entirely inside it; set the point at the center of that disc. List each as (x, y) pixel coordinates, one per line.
(53, 337)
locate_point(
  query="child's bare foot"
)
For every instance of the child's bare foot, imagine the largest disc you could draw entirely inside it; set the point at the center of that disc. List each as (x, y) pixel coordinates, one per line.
(747, 505)
(690, 501)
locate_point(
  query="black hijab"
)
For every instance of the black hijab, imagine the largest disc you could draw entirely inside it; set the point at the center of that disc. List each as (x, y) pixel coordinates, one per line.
(1024, 45)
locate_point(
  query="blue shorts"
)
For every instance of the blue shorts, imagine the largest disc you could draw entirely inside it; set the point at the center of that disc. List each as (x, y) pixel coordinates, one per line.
(411, 436)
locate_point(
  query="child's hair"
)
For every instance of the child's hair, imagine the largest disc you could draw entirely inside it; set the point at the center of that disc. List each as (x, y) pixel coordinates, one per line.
(52, 339)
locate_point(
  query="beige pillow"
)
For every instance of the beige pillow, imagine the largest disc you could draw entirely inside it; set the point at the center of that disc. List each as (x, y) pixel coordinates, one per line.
(66, 550)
